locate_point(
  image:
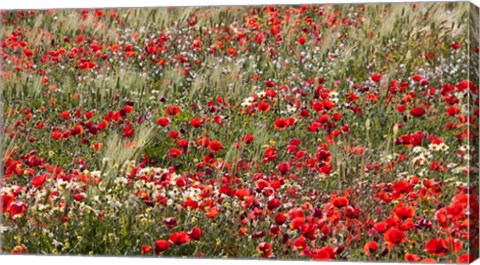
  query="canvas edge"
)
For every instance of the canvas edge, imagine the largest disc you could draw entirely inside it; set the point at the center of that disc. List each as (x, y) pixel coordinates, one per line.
(473, 76)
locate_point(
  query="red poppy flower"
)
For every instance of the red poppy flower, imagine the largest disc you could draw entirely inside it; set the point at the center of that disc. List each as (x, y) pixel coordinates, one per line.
(28, 52)
(417, 78)
(326, 169)
(337, 116)
(195, 234)
(78, 197)
(393, 237)
(231, 51)
(173, 135)
(6, 201)
(370, 246)
(417, 112)
(242, 194)
(270, 83)
(190, 204)
(291, 121)
(273, 203)
(128, 132)
(300, 243)
(280, 219)
(284, 168)
(376, 78)
(466, 258)
(412, 257)
(215, 146)
(78, 129)
(452, 111)
(437, 246)
(174, 152)
(301, 40)
(179, 238)
(161, 245)
(305, 113)
(281, 124)
(125, 110)
(146, 249)
(381, 227)
(325, 253)
(65, 114)
(456, 45)
(270, 154)
(265, 249)
(296, 212)
(297, 223)
(18, 250)
(263, 106)
(173, 110)
(404, 212)
(247, 138)
(39, 180)
(401, 108)
(212, 213)
(402, 186)
(181, 182)
(340, 202)
(318, 106)
(17, 208)
(314, 126)
(163, 121)
(455, 245)
(182, 143)
(196, 122)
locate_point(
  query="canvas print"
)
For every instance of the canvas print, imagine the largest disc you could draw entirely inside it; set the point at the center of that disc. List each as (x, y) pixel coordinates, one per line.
(335, 132)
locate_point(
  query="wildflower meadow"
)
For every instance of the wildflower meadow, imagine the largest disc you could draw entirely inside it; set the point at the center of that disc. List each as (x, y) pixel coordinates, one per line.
(294, 132)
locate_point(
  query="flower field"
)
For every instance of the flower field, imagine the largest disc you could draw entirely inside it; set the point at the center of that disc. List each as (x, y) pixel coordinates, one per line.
(324, 132)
